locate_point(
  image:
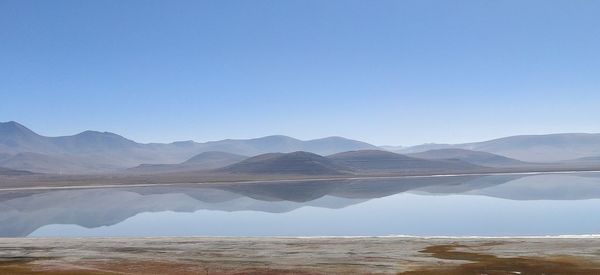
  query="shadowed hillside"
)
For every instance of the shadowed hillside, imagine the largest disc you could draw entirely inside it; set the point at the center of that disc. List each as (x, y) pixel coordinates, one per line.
(301, 163)
(473, 157)
(376, 160)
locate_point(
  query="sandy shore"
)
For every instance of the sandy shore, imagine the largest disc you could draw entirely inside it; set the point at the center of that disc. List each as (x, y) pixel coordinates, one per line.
(386, 255)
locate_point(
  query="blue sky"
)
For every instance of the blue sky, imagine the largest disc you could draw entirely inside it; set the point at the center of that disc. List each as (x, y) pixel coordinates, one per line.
(386, 72)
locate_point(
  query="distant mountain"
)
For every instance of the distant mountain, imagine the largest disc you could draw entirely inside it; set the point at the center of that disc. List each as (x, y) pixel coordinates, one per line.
(391, 148)
(11, 172)
(332, 145)
(470, 156)
(531, 148)
(93, 141)
(284, 144)
(93, 151)
(16, 138)
(42, 163)
(587, 160)
(377, 160)
(202, 161)
(214, 159)
(101, 152)
(296, 163)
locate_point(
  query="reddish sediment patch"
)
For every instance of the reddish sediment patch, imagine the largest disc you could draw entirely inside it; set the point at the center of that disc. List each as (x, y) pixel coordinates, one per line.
(480, 263)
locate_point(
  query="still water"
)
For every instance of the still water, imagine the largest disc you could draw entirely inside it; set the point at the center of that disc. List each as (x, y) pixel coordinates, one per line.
(506, 205)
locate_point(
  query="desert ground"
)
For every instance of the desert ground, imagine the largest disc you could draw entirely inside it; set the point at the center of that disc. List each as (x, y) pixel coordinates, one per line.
(362, 255)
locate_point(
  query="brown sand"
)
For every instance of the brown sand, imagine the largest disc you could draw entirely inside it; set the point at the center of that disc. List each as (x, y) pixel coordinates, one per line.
(196, 255)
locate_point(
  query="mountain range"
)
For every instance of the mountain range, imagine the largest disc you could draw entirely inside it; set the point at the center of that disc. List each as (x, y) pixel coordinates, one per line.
(97, 152)
(203, 161)
(93, 152)
(531, 148)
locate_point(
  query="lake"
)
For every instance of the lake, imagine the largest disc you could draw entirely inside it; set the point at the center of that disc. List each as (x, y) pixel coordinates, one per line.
(478, 205)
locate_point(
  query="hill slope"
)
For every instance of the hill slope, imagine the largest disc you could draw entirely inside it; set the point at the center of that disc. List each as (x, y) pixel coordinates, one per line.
(11, 172)
(376, 160)
(531, 148)
(203, 161)
(296, 163)
(470, 156)
(42, 163)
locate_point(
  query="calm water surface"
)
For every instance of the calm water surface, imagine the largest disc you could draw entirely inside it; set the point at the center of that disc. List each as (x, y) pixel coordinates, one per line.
(508, 205)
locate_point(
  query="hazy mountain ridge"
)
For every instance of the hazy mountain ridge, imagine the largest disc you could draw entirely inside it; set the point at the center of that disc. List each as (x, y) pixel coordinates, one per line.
(531, 148)
(470, 156)
(351, 162)
(377, 160)
(203, 161)
(97, 151)
(12, 172)
(101, 152)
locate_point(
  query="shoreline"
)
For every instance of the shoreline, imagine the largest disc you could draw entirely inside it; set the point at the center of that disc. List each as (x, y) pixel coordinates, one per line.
(284, 180)
(437, 237)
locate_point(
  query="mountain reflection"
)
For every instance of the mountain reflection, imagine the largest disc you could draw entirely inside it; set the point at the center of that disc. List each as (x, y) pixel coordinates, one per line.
(22, 212)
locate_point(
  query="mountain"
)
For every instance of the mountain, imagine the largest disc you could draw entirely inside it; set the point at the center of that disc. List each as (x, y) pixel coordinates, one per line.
(530, 148)
(285, 144)
(42, 163)
(470, 156)
(391, 148)
(93, 141)
(295, 163)
(97, 152)
(585, 161)
(11, 172)
(16, 138)
(332, 145)
(101, 152)
(214, 159)
(377, 160)
(202, 161)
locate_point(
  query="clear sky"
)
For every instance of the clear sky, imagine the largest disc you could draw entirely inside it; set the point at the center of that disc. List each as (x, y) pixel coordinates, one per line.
(386, 72)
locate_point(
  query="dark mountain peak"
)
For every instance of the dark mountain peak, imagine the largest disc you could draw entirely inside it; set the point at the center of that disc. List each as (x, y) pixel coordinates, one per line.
(299, 163)
(15, 129)
(11, 123)
(90, 133)
(94, 141)
(15, 138)
(12, 172)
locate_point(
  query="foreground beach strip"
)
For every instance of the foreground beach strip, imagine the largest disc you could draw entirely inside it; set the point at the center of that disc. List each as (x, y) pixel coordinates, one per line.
(324, 255)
